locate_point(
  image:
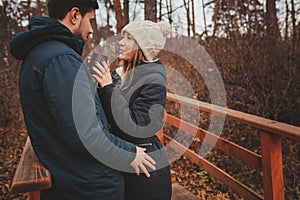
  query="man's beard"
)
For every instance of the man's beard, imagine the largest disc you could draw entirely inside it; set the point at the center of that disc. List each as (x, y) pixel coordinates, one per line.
(78, 32)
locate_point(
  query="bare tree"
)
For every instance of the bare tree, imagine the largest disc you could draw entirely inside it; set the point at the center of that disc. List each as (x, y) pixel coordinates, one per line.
(193, 19)
(204, 18)
(160, 10)
(119, 15)
(271, 20)
(236, 17)
(287, 13)
(169, 10)
(187, 8)
(294, 25)
(28, 11)
(215, 16)
(150, 10)
(126, 11)
(107, 6)
(257, 24)
(38, 7)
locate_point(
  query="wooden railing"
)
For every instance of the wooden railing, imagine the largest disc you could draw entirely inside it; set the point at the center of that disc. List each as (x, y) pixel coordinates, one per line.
(32, 177)
(269, 162)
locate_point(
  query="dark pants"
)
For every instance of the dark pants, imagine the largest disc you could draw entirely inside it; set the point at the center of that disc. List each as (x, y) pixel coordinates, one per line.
(158, 186)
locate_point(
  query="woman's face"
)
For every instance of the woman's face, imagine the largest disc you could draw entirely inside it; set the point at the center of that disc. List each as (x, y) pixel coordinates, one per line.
(127, 47)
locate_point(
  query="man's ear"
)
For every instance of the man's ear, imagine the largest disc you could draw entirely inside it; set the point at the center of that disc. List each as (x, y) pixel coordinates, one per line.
(74, 15)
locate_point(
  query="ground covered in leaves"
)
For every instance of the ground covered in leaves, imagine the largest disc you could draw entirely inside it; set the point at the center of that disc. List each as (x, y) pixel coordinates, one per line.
(11, 146)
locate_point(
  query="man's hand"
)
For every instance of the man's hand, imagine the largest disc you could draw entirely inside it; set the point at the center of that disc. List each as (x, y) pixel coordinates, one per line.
(142, 160)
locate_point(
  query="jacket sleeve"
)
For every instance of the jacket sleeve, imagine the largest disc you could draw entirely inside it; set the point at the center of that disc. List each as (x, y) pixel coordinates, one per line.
(143, 116)
(70, 98)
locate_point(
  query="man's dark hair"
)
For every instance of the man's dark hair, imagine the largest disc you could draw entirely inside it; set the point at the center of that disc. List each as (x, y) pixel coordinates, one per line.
(58, 9)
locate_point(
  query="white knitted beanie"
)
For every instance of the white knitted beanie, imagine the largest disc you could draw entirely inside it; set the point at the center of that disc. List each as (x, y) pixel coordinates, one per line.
(150, 36)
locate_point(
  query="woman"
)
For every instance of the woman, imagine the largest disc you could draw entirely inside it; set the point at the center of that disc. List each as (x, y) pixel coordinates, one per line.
(134, 104)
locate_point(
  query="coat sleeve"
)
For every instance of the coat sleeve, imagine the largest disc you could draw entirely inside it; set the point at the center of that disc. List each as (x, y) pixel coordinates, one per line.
(70, 98)
(143, 116)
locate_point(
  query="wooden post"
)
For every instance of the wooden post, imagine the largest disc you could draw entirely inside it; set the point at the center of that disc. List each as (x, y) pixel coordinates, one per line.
(35, 195)
(160, 135)
(272, 166)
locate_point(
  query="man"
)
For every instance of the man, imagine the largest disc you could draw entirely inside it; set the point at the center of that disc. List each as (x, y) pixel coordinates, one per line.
(79, 151)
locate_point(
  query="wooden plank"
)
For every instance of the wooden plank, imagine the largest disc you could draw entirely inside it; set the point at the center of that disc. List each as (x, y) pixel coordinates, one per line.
(272, 126)
(226, 146)
(173, 176)
(35, 195)
(221, 175)
(272, 166)
(160, 135)
(30, 175)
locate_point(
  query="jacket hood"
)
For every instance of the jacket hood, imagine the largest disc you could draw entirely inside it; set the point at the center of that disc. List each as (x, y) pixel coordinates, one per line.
(146, 68)
(42, 29)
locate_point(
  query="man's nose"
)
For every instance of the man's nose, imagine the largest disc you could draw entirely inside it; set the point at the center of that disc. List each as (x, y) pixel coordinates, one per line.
(91, 35)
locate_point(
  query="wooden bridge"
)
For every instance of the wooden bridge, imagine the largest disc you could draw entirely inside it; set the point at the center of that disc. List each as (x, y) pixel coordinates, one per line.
(32, 177)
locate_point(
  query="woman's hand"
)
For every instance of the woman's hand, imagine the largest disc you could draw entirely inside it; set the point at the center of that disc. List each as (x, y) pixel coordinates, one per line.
(101, 72)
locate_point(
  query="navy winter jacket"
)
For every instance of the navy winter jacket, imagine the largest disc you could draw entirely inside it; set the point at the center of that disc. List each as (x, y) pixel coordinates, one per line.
(60, 109)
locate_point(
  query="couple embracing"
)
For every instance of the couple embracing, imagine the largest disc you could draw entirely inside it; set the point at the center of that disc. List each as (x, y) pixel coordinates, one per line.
(100, 145)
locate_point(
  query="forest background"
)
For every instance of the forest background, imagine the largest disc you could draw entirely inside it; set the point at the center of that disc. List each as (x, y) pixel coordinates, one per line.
(254, 43)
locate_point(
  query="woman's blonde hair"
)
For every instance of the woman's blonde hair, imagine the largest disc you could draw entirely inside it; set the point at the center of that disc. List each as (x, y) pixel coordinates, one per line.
(128, 67)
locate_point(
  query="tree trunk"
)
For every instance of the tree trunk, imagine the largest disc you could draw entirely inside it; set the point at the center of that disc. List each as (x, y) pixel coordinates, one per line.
(134, 10)
(204, 18)
(271, 20)
(215, 17)
(187, 8)
(160, 10)
(193, 19)
(236, 17)
(248, 12)
(126, 11)
(286, 35)
(119, 15)
(169, 10)
(293, 19)
(28, 11)
(256, 17)
(150, 10)
(38, 7)
(107, 5)
(271, 42)
(294, 35)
